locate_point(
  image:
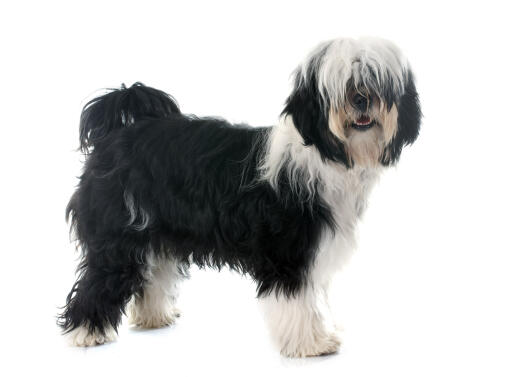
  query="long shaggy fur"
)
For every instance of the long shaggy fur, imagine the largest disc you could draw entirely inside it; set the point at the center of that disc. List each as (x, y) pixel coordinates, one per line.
(279, 204)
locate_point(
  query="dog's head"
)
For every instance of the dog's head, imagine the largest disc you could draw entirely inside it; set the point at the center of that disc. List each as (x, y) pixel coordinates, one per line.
(355, 101)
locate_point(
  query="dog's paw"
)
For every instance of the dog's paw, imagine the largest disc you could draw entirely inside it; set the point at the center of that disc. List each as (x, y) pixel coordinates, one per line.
(329, 346)
(319, 347)
(83, 337)
(152, 320)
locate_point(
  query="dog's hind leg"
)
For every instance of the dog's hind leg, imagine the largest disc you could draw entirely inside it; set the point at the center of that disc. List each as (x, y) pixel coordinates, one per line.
(110, 273)
(154, 305)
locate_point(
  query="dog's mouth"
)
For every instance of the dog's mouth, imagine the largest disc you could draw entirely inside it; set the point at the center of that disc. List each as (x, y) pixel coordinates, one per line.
(362, 123)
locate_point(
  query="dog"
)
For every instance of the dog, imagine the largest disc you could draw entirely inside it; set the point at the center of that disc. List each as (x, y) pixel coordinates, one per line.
(161, 190)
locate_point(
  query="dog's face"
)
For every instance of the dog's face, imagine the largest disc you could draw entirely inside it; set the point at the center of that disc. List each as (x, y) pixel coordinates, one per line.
(355, 101)
(365, 125)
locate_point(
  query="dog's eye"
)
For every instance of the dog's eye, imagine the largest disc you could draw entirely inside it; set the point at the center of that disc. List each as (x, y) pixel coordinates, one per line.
(360, 101)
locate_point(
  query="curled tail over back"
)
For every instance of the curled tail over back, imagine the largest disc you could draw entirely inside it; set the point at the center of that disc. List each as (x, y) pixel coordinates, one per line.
(121, 108)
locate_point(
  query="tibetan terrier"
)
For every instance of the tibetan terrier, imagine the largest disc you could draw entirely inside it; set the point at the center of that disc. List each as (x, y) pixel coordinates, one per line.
(162, 190)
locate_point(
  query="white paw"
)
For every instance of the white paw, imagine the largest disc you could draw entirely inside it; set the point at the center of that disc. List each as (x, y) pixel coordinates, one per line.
(328, 346)
(150, 319)
(318, 347)
(82, 337)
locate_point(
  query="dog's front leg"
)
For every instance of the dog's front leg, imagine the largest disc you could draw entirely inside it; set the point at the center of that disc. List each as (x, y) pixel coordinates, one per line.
(298, 323)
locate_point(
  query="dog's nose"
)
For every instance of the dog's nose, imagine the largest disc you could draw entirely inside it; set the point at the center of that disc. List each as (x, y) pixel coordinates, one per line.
(361, 102)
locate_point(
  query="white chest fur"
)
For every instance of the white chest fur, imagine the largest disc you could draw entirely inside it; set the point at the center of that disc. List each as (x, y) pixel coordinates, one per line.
(346, 194)
(344, 190)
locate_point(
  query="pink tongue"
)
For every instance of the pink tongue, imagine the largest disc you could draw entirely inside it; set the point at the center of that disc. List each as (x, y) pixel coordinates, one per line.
(363, 120)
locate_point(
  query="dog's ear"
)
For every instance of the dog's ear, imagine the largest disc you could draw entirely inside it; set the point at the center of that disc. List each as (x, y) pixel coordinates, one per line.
(408, 122)
(310, 117)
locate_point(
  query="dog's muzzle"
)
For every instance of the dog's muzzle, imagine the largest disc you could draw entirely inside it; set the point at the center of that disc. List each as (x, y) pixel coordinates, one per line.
(363, 123)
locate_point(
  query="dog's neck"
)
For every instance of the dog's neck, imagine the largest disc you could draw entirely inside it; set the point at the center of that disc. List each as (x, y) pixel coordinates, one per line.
(307, 172)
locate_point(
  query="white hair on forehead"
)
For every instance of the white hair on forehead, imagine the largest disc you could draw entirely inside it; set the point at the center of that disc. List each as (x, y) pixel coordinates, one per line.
(367, 62)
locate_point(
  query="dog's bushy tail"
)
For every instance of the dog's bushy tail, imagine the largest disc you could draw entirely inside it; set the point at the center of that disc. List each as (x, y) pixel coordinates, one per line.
(121, 108)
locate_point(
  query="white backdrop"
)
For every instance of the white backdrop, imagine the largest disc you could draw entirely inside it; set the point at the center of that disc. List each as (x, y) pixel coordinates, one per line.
(428, 290)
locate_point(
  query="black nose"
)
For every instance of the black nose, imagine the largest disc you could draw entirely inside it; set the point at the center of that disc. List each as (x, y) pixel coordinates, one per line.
(361, 102)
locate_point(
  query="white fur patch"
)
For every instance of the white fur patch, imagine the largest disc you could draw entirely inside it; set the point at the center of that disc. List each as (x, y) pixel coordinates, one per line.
(155, 307)
(285, 149)
(369, 62)
(298, 324)
(82, 337)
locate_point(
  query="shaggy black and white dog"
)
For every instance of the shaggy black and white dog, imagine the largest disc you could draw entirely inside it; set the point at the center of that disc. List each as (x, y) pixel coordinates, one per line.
(161, 190)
